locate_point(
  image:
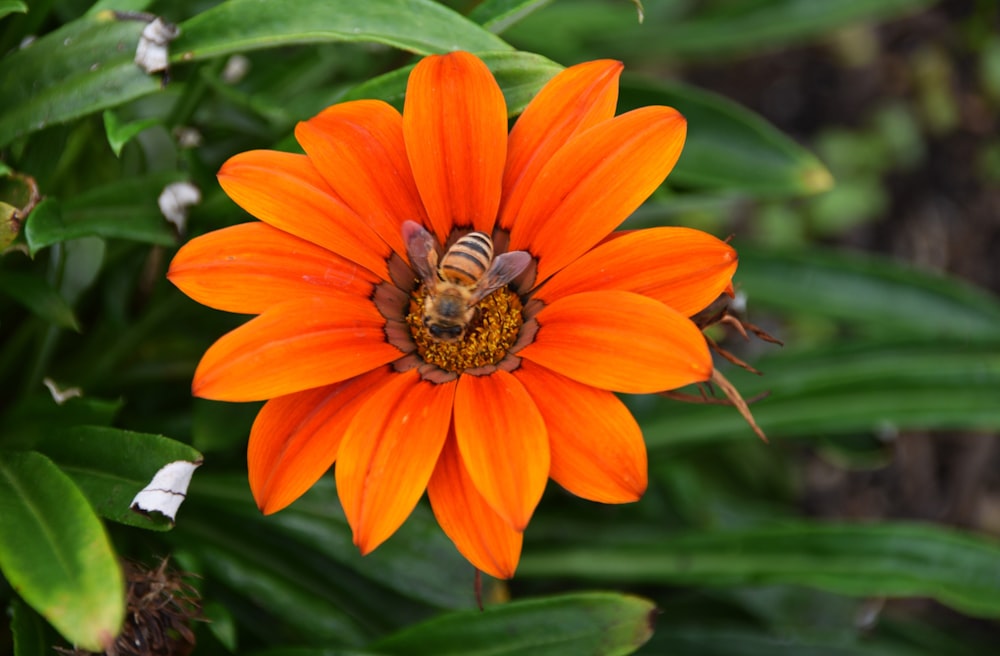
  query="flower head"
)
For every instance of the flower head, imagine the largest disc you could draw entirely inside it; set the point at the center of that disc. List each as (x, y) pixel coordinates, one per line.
(444, 306)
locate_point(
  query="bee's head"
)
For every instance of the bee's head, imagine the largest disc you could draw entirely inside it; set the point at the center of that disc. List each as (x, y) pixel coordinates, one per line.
(444, 333)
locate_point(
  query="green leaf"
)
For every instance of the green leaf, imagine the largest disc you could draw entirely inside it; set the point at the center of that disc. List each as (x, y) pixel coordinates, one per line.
(38, 415)
(54, 551)
(120, 133)
(498, 15)
(12, 6)
(574, 625)
(729, 147)
(881, 560)
(418, 562)
(126, 209)
(83, 67)
(869, 387)
(754, 27)
(519, 74)
(880, 296)
(419, 26)
(111, 466)
(28, 631)
(35, 293)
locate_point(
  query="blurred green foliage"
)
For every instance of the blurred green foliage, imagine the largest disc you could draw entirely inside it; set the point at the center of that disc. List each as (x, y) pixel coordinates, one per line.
(97, 350)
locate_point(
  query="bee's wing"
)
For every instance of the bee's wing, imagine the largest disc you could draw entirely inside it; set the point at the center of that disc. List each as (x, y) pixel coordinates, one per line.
(421, 249)
(505, 268)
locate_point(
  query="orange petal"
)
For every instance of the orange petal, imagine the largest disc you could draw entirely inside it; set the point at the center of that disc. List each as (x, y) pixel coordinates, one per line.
(389, 453)
(455, 124)
(686, 269)
(502, 439)
(619, 341)
(285, 191)
(574, 100)
(295, 438)
(479, 534)
(294, 346)
(250, 267)
(606, 461)
(358, 148)
(594, 182)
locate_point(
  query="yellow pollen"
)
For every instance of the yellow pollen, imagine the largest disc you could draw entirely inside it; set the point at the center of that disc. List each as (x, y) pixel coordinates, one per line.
(487, 337)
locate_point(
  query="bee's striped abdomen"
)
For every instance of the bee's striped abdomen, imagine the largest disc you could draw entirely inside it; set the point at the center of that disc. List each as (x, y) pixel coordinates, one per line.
(467, 259)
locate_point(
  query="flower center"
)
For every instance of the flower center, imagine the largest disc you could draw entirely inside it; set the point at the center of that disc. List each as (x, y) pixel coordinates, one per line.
(492, 329)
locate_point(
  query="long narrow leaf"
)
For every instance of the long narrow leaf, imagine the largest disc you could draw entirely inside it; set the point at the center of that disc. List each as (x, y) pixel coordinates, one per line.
(419, 26)
(885, 560)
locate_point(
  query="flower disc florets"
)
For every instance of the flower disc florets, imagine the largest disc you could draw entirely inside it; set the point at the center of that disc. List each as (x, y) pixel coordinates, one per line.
(487, 338)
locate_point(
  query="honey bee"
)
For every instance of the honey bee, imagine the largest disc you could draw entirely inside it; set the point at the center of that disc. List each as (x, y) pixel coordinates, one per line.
(467, 273)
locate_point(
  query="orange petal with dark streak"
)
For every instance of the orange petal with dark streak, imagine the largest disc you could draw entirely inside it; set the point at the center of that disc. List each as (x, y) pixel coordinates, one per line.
(479, 534)
(596, 445)
(388, 454)
(249, 267)
(574, 100)
(594, 182)
(358, 148)
(455, 125)
(684, 268)
(295, 438)
(294, 346)
(619, 341)
(502, 439)
(286, 191)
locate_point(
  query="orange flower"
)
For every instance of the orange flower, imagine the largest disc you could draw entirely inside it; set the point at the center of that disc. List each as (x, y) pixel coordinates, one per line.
(482, 402)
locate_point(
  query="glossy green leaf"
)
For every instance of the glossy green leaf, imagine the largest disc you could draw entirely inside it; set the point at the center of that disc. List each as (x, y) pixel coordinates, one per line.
(869, 387)
(879, 560)
(729, 147)
(54, 551)
(111, 466)
(519, 74)
(498, 15)
(574, 625)
(120, 133)
(126, 209)
(868, 292)
(419, 26)
(35, 293)
(83, 67)
(12, 6)
(713, 640)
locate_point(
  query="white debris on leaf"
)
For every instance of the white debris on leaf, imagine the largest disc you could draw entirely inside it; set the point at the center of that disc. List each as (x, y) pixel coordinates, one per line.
(175, 199)
(236, 69)
(152, 54)
(167, 490)
(60, 396)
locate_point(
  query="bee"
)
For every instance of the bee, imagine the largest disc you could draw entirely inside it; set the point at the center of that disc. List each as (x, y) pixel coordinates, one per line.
(467, 273)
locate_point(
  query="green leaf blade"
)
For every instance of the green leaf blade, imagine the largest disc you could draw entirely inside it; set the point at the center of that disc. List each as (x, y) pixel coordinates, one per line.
(729, 147)
(890, 560)
(54, 551)
(34, 293)
(84, 67)
(111, 466)
(571, 625)
(418, 26)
